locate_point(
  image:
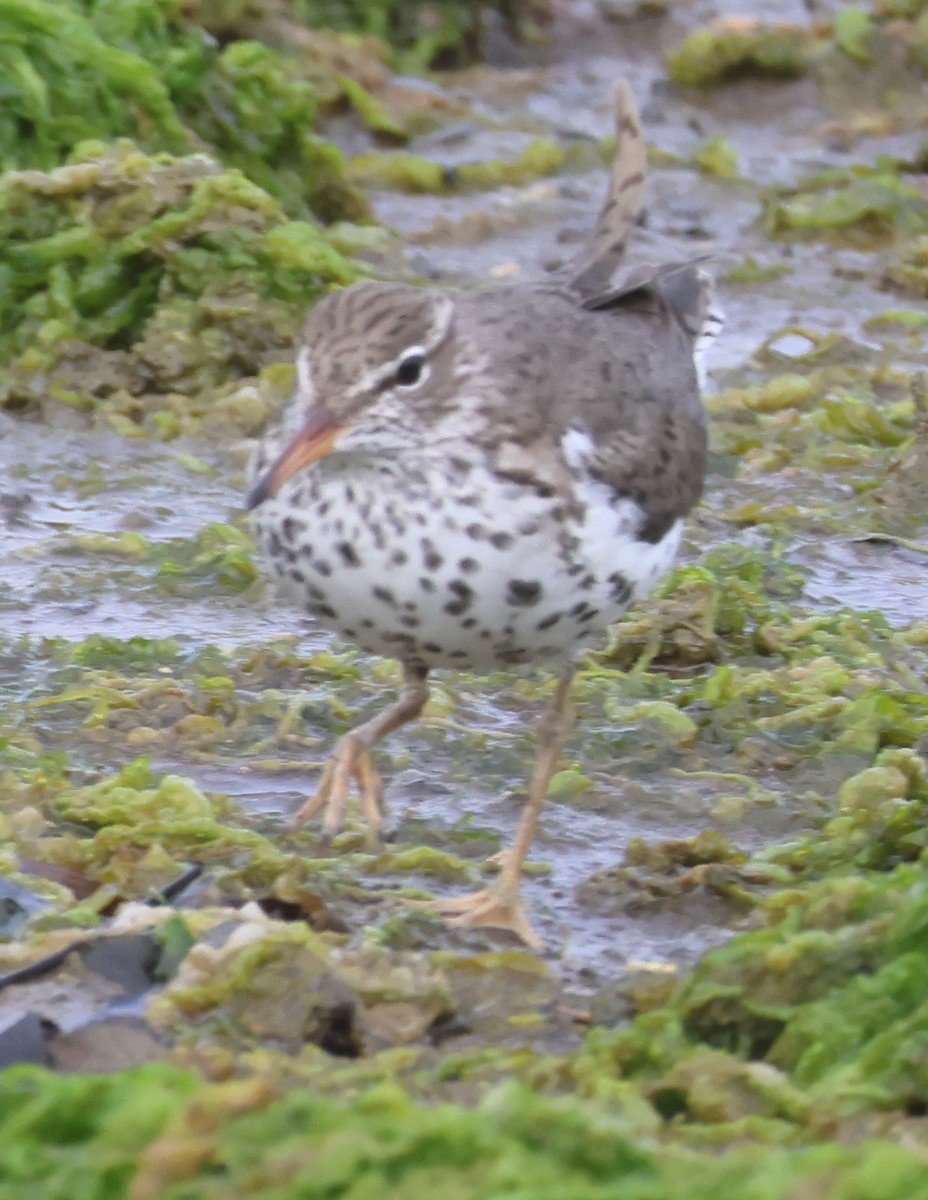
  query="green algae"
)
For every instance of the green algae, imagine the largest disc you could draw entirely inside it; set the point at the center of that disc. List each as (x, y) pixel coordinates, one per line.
(808, 1023)
(790, 1064)
(414, 174)
(710, 56)
(143, 273)
(238, 1138)
(142, 70)
(838, 430)
(909, 272)
(717, 157)
(188, 264)
(445, 33)
(60, 66)
(869, 202)
(881, 44)
(150, 71)
(281, 983)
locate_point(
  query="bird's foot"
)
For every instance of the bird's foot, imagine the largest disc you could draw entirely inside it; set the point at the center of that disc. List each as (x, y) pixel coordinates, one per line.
(351, 759)
(498, 906)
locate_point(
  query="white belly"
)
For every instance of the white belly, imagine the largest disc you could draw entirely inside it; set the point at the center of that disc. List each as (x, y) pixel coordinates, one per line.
(481, 577)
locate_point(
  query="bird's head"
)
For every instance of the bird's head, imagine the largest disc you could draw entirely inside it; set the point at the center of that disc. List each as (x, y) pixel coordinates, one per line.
(373, 361)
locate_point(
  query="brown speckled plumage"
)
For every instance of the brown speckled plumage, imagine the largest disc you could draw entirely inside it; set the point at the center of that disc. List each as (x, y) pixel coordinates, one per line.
(489, 478)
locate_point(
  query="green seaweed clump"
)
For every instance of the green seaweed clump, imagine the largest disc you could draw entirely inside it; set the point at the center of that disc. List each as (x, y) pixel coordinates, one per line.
(859, 204)
(76, 71)
(909, 272)
(823, 1001)
(433, 32)
(728, 49)
(413, 173)
(861, 52)
(132, 277)
(155, 1133)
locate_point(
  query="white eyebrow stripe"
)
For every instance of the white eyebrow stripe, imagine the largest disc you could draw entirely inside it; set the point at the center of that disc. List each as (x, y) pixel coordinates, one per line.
(304, 371)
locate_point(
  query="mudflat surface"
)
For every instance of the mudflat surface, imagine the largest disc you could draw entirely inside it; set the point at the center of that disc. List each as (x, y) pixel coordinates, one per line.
(107, 537)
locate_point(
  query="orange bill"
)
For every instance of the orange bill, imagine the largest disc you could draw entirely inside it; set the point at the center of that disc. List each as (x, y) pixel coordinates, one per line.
(314, 441)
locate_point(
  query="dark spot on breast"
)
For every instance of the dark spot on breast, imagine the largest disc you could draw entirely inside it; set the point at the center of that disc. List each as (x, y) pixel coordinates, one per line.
(349, 554)
(431, 647)
(427, 585)
(385, 596)
(458, 654)
(468, 565)
(324, 610)
(399, 639)
(409, 621)
(502, 541)
(399, 558)
(321, 567)
(430, 556)
(292, 529)
(621, 588)
(511, 656)
(549, 622)
(525, 592)
(463, 598)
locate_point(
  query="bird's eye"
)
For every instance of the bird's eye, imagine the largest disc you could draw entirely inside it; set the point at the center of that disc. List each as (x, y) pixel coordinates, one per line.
(409, 372)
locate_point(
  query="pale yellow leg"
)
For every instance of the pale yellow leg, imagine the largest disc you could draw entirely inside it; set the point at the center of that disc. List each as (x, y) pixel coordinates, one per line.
(500, 904)
(351, 759)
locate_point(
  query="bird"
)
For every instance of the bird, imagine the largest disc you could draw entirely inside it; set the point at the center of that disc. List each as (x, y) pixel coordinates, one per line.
(485, 480)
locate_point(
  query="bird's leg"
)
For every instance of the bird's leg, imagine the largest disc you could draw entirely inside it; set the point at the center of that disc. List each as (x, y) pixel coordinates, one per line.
(500, 904)
(351, 759)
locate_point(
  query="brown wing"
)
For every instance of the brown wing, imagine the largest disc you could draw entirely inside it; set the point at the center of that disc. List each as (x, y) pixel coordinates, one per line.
(649, 430)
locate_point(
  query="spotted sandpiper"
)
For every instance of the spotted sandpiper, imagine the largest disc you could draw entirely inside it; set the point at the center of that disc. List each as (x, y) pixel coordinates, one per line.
(487, 479)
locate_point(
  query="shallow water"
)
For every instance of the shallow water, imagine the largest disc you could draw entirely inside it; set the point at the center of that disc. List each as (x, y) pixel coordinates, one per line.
(65, 482)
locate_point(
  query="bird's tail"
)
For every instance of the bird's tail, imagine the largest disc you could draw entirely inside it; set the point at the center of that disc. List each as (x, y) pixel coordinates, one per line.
(596, 261)
(684, 288)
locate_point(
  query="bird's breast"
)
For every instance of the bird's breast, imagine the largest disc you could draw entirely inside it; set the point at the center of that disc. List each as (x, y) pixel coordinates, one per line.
(463, 570)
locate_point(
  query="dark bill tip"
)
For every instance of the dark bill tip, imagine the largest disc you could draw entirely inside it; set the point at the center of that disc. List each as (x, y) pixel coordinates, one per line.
(258, 494)
(312, 442)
